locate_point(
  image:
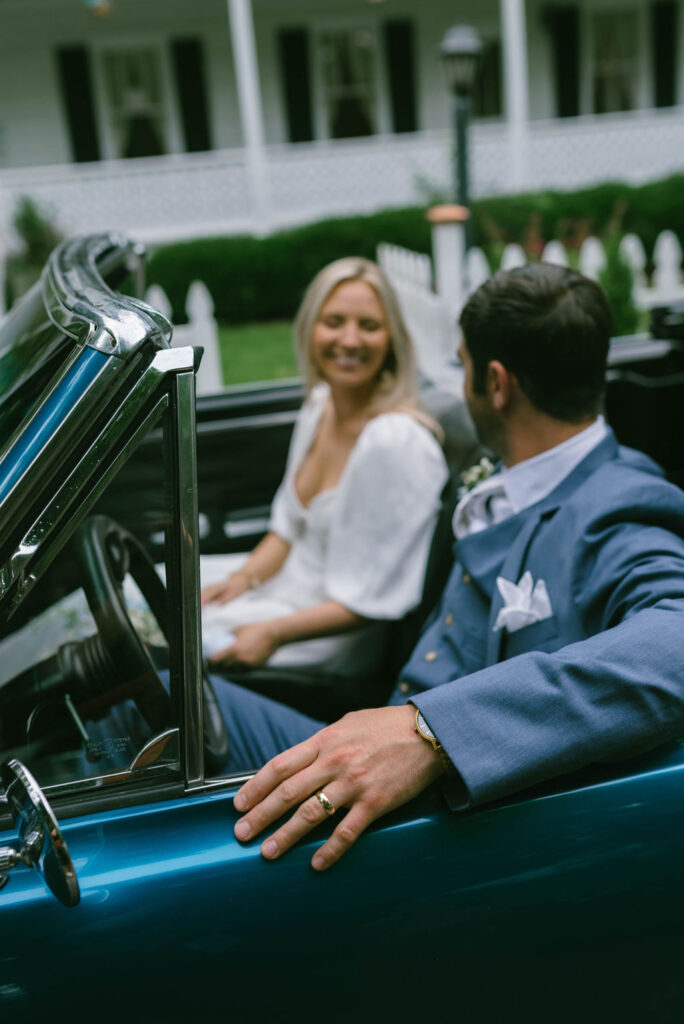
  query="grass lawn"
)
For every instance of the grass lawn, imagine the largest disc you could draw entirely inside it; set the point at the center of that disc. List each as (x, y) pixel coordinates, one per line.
(253, 352)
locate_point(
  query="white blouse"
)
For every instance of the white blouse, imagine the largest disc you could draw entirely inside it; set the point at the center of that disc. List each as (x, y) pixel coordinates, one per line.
(363, 543)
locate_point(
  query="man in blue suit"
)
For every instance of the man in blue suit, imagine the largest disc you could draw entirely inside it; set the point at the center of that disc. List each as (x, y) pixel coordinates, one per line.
(559, 638)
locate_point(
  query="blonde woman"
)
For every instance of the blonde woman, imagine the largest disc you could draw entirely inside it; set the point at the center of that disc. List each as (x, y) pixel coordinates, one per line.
(352, 521)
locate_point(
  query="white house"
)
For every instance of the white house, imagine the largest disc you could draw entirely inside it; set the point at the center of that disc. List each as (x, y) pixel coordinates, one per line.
(170, 118)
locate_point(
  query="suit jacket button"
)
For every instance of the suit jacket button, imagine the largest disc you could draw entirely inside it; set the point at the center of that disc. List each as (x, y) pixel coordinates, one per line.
(404, 687)
(467, 578)
(431, 655)
(448, 619)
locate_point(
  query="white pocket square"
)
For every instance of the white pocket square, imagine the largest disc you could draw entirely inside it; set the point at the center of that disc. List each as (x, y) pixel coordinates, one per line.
(524, 603)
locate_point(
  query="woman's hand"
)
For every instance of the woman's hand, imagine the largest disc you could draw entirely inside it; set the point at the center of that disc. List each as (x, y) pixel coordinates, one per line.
(366, 764)
(225, 591)
(254, 645)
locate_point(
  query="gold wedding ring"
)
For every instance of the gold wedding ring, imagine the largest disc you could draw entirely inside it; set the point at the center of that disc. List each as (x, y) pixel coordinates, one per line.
(325, 803)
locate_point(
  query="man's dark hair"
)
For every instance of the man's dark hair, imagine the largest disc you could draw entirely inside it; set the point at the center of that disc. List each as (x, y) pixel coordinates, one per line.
(551, 328)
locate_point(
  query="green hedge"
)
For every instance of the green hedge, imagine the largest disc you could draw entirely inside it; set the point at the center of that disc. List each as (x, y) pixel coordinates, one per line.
(260, 279)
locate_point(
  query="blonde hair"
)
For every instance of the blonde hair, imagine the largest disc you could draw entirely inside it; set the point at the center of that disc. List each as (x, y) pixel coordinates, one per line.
(397, 387)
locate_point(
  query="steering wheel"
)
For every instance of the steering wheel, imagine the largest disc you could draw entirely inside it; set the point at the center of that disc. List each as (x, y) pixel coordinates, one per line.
(105, 554)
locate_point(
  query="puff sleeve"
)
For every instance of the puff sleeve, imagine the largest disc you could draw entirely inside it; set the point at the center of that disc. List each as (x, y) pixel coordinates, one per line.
(383, 524)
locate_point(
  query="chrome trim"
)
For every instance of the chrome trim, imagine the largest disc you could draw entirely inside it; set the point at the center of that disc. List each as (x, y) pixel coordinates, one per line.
(167, 361)
(42, 845)
(178, 363)
(34, 543)
(154, 748)
(185, 548)
(79, 787)
(226, 781)
(60, 505)
(80, 303)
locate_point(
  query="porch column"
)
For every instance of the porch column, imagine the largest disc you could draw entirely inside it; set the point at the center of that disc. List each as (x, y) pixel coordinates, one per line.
(249, 98)
(516, 88)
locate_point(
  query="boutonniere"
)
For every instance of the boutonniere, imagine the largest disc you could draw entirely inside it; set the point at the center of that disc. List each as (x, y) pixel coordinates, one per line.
(474, 475)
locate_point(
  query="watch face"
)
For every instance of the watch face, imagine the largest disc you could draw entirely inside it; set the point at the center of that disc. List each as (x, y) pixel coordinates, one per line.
(424, 727)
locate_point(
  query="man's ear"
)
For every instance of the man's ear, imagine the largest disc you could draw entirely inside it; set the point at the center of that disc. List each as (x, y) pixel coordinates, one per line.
(499, 385)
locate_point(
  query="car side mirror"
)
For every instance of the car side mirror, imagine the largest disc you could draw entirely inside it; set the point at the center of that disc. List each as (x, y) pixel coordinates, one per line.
(40, 843)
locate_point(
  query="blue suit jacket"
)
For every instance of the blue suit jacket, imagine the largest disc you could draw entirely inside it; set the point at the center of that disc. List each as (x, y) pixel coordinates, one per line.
(603, 677)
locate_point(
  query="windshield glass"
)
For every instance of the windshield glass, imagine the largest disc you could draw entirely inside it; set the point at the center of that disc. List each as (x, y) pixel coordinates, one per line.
(84, 659)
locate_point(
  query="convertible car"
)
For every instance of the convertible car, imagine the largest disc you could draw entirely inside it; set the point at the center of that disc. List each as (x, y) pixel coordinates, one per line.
(123, 893)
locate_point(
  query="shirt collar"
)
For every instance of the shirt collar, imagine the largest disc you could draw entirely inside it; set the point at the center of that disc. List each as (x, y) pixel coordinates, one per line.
(528, 482)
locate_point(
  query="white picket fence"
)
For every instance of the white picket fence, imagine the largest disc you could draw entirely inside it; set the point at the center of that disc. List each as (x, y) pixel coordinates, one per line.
(430, 317)
(201, 329)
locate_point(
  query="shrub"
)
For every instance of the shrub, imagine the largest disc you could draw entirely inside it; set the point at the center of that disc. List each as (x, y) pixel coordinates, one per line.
(38, 236)
(617, 281)
(259, 279)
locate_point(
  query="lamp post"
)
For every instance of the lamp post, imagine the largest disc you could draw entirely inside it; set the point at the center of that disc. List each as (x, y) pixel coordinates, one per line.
(460, 53)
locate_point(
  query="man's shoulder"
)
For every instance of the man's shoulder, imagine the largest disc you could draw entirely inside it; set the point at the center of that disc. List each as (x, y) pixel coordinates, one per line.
(639, 461)
(629, 481)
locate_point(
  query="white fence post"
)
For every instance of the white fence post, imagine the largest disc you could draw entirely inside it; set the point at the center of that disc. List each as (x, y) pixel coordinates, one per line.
(477, 266)
(554, 252)
(448, 254)
(592, 258)
(200, 309)
(667, 256)
(513, 256)
(156, 297)
(632, 251)
(201, 329)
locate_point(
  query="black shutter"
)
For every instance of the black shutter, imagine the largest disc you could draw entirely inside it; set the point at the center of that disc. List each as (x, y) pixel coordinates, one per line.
(401, 74)
(188, 66)
(664, 35)
(563, 25)
(73, 68)
(293, 51)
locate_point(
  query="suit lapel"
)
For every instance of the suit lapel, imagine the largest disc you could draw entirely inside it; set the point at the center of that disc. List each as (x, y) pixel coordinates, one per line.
(512, 568)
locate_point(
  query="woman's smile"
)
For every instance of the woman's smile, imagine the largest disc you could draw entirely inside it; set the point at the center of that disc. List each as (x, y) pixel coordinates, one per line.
(350, 341)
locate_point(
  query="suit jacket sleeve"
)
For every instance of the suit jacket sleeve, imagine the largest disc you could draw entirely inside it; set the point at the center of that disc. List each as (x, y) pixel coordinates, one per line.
(613, 694)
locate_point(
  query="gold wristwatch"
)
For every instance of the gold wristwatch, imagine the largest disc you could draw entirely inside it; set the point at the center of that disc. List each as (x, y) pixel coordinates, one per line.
(424, 730)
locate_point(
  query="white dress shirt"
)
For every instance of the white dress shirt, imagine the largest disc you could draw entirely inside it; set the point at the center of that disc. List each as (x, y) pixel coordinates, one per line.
(515, 488)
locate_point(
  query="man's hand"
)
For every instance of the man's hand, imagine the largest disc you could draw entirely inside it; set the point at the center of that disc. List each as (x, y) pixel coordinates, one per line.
(369, 763)
(254, 644)
(225, 591)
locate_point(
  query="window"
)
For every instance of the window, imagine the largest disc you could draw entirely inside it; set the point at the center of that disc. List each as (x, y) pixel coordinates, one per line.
(615, 66)
(84, 661)
(348, 70)
(134, 95)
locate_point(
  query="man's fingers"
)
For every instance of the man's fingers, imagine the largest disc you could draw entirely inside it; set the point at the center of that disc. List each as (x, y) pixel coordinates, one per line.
(291, 792)
(308, 815)
(275, 772)
(345, 835)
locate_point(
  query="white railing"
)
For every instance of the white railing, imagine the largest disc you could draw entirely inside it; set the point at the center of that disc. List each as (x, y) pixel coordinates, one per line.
(190, 195)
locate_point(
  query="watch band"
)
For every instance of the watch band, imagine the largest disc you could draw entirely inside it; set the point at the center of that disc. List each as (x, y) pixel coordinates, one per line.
(425, 732)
